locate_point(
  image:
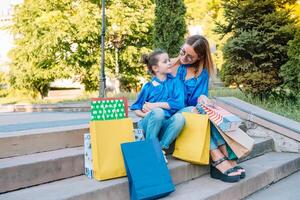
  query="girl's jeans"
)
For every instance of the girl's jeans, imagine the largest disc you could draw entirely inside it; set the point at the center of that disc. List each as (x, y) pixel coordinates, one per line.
(156, 125)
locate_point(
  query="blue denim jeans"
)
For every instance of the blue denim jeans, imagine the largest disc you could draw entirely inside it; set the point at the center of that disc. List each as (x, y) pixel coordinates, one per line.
(156, 125)
(216, 139)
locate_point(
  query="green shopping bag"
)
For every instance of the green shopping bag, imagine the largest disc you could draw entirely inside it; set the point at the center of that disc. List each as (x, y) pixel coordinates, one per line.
(109, 108)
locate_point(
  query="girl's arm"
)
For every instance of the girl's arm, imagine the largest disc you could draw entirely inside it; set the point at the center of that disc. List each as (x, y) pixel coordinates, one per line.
(141, 99)
(140, 113)
(149, 106)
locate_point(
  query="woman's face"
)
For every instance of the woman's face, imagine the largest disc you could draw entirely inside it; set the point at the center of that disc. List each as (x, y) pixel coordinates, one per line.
(187, 55)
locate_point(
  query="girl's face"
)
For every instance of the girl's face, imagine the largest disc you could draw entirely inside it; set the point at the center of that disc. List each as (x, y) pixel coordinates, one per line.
(187, 55)
(163, 65)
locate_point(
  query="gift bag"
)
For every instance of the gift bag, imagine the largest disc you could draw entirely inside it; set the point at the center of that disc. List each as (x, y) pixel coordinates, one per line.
(238, 141)
(223, 119)
(109, 108)
(193, 143)
(139, 134)
(147, 172)
(88, 166)
(106, 137)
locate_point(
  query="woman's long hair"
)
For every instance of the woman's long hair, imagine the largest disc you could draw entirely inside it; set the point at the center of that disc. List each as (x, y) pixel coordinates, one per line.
(201, 47)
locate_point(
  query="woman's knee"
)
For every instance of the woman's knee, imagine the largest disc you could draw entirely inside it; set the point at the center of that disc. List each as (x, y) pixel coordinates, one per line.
(187, 109)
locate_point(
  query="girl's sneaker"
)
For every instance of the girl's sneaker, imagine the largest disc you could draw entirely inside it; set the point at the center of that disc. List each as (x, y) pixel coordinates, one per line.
(165, 157)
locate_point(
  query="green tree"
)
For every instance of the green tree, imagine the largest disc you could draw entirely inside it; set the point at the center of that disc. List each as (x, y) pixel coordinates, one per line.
(169, 25)
(53, 39)
(290, 71)
(131, 22)
(60, 39)
(257, 46)
(3, 80)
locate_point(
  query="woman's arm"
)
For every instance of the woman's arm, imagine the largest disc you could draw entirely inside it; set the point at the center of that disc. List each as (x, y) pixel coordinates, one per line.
(203, 99)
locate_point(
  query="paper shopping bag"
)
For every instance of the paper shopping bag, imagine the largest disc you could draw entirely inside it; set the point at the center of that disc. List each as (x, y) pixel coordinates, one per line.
(238, 141)
(193, 143)
(106, 138)
(223, 119)
(147, 172)
(109, 108)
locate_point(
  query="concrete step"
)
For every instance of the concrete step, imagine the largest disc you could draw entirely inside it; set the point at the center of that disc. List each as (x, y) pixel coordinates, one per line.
(261, 171)
(41, 140)
(30, 170)
(277, 123)
(23, 171)
(287, 189)
(81, 187)
(41, 132)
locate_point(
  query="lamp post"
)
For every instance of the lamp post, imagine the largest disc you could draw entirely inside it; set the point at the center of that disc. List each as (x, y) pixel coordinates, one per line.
(102, 71)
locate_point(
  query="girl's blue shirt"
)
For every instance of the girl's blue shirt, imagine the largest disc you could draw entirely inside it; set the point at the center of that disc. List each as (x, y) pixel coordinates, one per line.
(194, 87)
(170, 90)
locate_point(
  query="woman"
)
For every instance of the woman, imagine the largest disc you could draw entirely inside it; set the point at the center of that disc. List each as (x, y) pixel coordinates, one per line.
(193, 67)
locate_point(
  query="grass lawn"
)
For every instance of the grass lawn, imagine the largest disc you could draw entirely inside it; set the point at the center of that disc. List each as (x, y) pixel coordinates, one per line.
(287, 109)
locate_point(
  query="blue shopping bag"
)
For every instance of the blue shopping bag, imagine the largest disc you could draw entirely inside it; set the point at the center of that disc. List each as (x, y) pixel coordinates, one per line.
(147, 172)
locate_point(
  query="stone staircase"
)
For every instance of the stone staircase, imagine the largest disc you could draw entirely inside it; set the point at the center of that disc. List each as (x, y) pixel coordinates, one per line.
(58, 174)
(49, 165)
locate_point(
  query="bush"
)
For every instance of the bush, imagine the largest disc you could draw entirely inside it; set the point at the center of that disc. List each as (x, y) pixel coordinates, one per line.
(257, 47)
(169, 25)
(290, 72)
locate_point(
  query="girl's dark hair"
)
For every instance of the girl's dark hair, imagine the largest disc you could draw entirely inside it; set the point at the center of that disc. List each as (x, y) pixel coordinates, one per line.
(151, 59)
(201, 47)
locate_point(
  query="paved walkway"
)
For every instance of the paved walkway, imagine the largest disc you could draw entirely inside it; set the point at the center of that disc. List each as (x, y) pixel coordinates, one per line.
(14, 122)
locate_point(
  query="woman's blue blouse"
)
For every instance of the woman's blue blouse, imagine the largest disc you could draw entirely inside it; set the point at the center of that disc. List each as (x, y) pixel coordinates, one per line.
(193, 87)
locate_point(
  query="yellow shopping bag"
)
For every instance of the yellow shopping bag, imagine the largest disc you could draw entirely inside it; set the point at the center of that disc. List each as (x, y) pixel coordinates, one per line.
(193, 143)
(106, 138)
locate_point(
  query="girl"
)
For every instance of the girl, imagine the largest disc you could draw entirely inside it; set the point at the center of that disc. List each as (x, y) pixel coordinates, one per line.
(193, 67)
(159, 101)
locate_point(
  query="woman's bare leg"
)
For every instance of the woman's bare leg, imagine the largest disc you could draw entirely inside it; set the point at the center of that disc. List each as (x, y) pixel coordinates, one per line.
(216, 154)
(232, 162)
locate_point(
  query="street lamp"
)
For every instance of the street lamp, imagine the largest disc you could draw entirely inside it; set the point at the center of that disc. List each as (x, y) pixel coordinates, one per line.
(102, 71)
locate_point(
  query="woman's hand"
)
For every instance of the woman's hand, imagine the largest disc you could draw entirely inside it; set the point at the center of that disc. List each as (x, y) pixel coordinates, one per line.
(204, 100)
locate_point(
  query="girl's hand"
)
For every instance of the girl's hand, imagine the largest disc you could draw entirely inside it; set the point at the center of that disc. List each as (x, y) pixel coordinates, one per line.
(147, 107)
(140, 113)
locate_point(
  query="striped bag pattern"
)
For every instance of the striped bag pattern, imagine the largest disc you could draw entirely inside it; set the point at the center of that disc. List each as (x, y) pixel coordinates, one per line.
(225, 120)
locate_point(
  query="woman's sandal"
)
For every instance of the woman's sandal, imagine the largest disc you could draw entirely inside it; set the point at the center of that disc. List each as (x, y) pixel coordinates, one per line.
(217, 174)
(243, 174)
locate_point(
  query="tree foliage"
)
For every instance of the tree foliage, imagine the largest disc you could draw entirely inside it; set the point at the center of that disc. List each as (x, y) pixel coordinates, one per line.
(290, 71)
(61, 38)
(169, 25)
(257, 46)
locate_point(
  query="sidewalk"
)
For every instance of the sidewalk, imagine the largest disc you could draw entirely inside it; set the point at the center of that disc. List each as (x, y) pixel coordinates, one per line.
(11, 122)
(17, 122)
